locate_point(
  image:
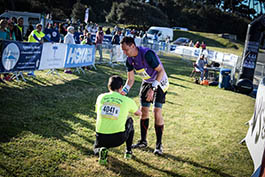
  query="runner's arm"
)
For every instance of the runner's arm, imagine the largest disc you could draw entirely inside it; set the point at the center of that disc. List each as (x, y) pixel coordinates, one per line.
(130, 78)
(129, 82)
(160, 72)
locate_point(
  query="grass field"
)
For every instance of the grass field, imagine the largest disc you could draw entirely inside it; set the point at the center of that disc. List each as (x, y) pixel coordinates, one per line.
(47, 127)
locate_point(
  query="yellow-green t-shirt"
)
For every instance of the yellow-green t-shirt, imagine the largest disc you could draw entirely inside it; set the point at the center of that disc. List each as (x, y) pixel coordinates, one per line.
(112, 110)
(39, 35)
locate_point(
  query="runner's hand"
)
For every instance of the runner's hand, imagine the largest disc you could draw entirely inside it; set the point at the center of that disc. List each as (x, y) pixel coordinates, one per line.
(150, 95)
(123, 93)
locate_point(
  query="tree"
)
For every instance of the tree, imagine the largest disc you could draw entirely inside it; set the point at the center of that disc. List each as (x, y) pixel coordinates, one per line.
(126, 13)
(78, 11)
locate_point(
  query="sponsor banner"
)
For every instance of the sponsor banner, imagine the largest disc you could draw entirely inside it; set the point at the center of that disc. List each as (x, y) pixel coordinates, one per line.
(255, 138)
(117, 54)
(211, 55)
(79, 55)
(53, 55)
(20, 56)
(53, 34)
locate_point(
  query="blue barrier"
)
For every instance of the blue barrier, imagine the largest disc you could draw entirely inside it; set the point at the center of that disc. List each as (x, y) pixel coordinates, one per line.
(25, 56)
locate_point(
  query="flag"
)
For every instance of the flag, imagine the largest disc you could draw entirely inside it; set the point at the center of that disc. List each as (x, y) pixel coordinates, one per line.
(86, 15)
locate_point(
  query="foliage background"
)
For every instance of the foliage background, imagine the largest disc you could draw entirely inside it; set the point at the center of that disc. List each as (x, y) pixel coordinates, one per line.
(216, 16)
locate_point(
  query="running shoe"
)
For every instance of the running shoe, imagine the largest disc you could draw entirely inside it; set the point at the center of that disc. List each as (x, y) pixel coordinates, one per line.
(68, 72)
(140, 144)
(158, 150)
(103, 156)
(31, 74)
(128, 155)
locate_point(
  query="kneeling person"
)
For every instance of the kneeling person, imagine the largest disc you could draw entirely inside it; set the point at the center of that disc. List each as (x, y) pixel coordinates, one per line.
(113, 128)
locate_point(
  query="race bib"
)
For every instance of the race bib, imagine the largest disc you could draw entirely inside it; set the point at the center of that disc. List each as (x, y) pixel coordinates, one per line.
(164, 84)
(110, 111)
(143, 74)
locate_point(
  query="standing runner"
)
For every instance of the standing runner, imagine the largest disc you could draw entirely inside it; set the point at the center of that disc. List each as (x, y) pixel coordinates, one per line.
(153, 89)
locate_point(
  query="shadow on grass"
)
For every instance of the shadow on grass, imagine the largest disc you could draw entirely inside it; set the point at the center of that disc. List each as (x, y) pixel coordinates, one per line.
(155, 168)
(8, 172)
(179, 159)
(122, 169)
(195, 164)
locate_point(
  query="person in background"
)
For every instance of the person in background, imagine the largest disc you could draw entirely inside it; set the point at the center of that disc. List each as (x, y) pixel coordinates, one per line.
(99, 41)
(37, 36)
(14, 20)
(113, 126)
(10, 31)
(62, 32)
(3, 31)
(29, 30)
(81, 39)
(10, 36)
(200, 66)
(116, 38)
(191, 43)
(69, 39)
(108, 31)
(203, 46)
(147, 64)
(19, 29)
(197, 44)
(3, 36)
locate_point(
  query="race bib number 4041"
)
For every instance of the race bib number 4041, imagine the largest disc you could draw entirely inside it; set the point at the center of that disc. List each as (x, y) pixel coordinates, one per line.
(110, 111)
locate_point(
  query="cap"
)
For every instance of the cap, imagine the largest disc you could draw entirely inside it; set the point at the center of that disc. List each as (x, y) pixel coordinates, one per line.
(69, 28)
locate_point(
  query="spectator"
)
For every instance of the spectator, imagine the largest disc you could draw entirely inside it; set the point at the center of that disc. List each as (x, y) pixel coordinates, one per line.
(155, 42)
(19, 29)
(29, 30)
(116, 38)
(10, 31)
(14, 20)
(69, 39)
(203, 46)
(197, 44)
(108, 31)
(62, 32)
(113, 126)
(3, 32)
(87, 37)
(99, 41)
(145, 39)
(82, 39)
(201, 66)
(37, 36)
(4, 36)
(191, 43)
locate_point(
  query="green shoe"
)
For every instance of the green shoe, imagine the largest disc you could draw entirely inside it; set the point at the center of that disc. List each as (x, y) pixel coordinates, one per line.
(103, 156)
(128, 155)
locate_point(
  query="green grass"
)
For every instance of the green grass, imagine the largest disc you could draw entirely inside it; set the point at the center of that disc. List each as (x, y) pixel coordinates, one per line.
(47, 127)
(213, 41)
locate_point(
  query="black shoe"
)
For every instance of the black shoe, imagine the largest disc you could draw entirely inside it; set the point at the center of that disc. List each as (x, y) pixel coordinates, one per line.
(140, 144)
(158, 150)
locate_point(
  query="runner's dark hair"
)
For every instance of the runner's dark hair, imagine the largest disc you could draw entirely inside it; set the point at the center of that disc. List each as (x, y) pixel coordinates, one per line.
(115, 83)
(127, 40)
